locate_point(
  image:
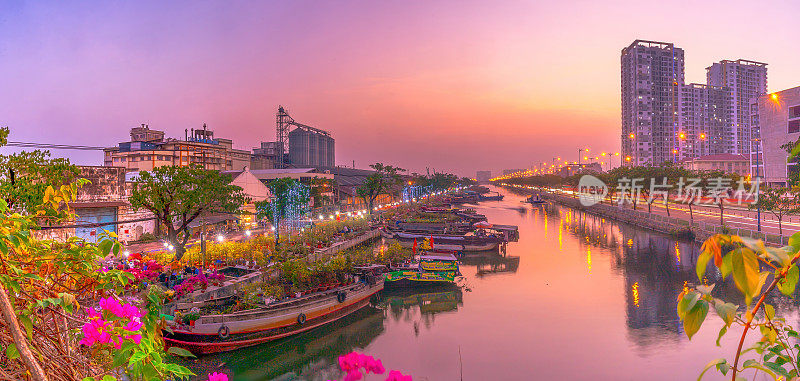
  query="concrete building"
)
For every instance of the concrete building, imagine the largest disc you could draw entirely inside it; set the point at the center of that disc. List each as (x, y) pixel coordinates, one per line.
(745, 80)
(665, 120)
(483, 176)
(101, 204)
(652, 73)
(148, 149)
(705, 114)
(779, 124)
(727, 162)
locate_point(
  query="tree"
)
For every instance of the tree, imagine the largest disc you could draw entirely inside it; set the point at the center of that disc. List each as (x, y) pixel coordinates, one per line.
(178, 195)
(289, 202)
(318, 186)
(25, 176)
(384, 180)
(778, 201)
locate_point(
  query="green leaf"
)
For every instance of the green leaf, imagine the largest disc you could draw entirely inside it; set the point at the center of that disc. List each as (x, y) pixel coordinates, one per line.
(705, 290)
(12, 352)
(756, 365)
(109, 377)
(687, 302)
(780, 256)
(702, 263)
(794, 241)
(694, 318)
(745, 272)
(724, 368)
(727, 266)
(788, 284)
(726, 311)
(711, 364)
(26, 322)
(722, 332)
(180, 352)
(136, 357)
(769, 311)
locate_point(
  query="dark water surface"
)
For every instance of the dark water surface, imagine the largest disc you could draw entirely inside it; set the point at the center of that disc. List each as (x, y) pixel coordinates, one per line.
(577, 298)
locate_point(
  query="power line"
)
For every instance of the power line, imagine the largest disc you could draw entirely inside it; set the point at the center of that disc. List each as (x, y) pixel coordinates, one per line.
(53, 146)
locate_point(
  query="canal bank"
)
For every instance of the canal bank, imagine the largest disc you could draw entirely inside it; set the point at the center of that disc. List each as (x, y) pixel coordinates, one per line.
(678, 227)
(578, 297)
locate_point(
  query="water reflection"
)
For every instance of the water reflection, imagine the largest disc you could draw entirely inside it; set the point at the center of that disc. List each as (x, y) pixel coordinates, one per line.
(311, 355)
(490, 263)
(421, 307)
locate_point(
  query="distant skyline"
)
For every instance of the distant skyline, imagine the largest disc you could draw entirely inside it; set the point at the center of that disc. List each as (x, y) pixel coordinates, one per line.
(458, 86)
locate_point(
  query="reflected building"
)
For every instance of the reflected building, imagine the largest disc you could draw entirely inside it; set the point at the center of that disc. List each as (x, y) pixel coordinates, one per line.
(421, 307)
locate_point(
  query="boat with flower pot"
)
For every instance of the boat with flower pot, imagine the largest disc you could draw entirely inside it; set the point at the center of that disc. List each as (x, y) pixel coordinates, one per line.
(431, 269)
(467, 242)
(225, 332)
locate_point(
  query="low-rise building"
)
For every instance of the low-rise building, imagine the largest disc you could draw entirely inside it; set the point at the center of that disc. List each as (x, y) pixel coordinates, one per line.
(726, 162)
(148, 149)
(778, 123)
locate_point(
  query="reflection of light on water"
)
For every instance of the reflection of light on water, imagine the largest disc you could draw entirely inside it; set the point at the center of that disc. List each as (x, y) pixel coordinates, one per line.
(685, 286)
(589, 258)
(560, 231)
(677, 253)
(630, 242)
(635, 289)
(545, 225)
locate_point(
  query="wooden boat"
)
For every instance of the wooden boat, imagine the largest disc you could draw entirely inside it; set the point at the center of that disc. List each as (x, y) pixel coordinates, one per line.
(445, 242)
(432, 269)
(226, 332)
(491, 197)
(436, 227)
(534, 199)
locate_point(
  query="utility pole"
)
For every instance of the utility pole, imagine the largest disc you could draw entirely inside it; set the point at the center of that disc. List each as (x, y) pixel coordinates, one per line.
(758, 181)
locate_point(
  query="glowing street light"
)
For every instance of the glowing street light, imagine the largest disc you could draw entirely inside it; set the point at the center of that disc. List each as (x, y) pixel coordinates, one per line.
(247, 233)
(702, 136)
(126, 253)
(632, 136)
(220, 238)
(682, 136)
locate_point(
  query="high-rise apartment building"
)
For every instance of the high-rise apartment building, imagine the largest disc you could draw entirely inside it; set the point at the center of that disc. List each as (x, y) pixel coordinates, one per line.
(665, 120)
(746, 80)
(652, 75)
(705, 112)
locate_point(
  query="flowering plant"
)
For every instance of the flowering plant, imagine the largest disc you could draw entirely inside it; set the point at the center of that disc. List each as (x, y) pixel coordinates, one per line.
(200, 281)
(114, 324)
(353, 362)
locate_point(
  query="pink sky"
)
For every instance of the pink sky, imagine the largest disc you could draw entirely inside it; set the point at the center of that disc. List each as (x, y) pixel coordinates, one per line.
(454, 85)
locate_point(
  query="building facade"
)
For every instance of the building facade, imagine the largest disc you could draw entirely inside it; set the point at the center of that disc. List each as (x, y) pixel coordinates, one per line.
(665, 120)
(779, 124)
(745, 80)
(148, 149)
(705, 114)
(726, 162)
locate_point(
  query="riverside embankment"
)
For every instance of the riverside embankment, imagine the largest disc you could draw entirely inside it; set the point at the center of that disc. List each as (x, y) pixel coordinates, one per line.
(656, 220)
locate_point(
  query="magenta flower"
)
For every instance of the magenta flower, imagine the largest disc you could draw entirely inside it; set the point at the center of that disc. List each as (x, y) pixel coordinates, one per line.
(217, 377)
(94, 331)
(397, 376)
(130, 311)
(111, 305)
(135, 338)
(134, 325)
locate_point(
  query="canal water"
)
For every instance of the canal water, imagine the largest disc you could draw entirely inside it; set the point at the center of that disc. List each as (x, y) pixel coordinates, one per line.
(577, 298)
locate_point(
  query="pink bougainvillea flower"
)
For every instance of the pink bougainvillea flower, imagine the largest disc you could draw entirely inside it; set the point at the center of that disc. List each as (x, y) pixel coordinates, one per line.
(92, 313)
(130, 311)
(217, 377)
(135, 338)
(134, 325)
(111, 305)
(94, 331)
(353, 375)
(395, 375)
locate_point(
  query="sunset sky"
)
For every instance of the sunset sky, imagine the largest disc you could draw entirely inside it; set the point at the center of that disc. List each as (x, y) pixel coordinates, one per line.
(454, 85)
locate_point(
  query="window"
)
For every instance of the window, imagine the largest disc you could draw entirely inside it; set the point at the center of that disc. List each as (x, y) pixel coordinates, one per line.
(794, 126)
(794, 112)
